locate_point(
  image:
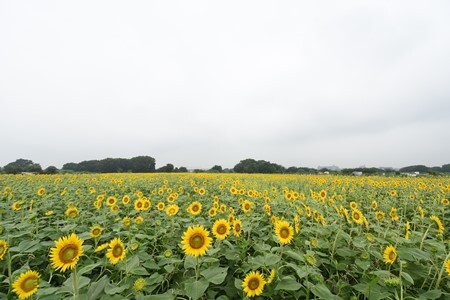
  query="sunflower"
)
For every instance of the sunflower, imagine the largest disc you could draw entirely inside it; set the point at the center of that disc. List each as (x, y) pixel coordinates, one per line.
(230, 218)
(284, 232)
(393, 214)
(26, 285)
(139, 204)
(438, 222)
(196, 241)
(41, 192)
(139, 284)
(172, 210)
(139, 220)
(271, 276)
(96, 231)
(101, 247)
(202, 191)
(253, 284)
(116, 251)
(195, 208)
(389, 254)
(374, 205)
(212, 212)
(445, 201)
(3, 248)
(72, 212)
(147, 204)
(17, 205)
(379, 215)
(247, 206)
(67, 252)
(447, 266)
(126, 221)
(267, 209)
(296, 224)
(237, 227)
(353, 205)
(49, 213)
(111, 201)
(221, 229)
(160, 205)
(125, 199)
(114, 208)
(357, 216)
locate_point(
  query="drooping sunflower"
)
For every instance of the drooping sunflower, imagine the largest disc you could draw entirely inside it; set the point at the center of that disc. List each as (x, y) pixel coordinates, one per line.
(17, 205)
(296, 224)
(195, 208)
(126, 221)
(26, 285)
(271, 276)
(96, 231)
(389, 254)
(3, 248)
(172, 210)
(237, 227)
(196, 241)
(284, 232)
(116, 251)
(221, 229)
(67, 252)
(440, 226)
(72, 212)
(101, 247)
(357, 216)
(253, 284)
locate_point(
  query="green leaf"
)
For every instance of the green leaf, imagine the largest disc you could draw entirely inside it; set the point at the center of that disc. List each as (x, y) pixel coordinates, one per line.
(88, 268)
(346, 252)
(190, 262)
(112, 289)
(407, 277)
(96, 288)
(322, 291)
(196, 289)
(215, 275)
(288, 283)
(433, 294)
(295, 255)
(271, 259)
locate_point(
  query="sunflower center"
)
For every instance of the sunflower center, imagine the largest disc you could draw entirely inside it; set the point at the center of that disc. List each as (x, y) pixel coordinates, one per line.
(96, 231)
(246, 207)
(284, 232)
(356, 216)
(139, 204)
(222, 229)
(117, 251)
(253, 283)
(237, 227)
(391, 255)
(29, 284)
(196, 241)
(195, 208)
(68, 253)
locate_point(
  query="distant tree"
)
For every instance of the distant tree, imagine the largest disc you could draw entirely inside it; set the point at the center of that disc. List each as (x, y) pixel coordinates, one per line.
(139, 164)
(261, 166)
(166, 169)
(51, 170)
(216, 168)
(445, 168)
(182, 170)
(416, 168)
(22, 165)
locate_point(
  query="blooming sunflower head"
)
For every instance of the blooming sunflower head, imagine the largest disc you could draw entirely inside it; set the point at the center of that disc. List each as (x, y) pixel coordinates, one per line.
(221, 229)
(357, 216)
(160, 205)
(139, 284)
(96, 231)
(195, 208)
(389, 254)
(284, 232)
(447, 266)
(116, 251)
(237, 227)
(26, 285)
(253, 284)
(172, 210)
(72, 212)
(196, 241)
(67, 252)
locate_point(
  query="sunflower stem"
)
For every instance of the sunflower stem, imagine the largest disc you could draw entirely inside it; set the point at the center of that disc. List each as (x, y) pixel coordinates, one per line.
(438, 282)
(424, 236)
(75, 283)
(197, 268)
(9, 270)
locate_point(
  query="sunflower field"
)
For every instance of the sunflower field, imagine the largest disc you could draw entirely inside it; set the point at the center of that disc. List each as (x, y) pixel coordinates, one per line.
(223, 236)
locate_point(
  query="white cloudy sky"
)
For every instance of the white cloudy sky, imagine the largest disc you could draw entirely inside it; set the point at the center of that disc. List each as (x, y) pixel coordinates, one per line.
(198, 83)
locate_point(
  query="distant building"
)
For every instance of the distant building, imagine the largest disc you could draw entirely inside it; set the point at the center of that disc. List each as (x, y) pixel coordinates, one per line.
(357, 173)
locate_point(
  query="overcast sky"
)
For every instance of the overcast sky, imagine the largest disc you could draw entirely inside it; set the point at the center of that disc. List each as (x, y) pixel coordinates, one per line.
(199, 83)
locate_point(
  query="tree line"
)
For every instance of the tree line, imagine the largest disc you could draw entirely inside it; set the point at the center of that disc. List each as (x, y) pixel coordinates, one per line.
(147, 164)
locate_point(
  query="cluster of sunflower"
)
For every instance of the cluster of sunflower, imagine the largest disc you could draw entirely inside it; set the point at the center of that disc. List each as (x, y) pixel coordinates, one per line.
(369, 224)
